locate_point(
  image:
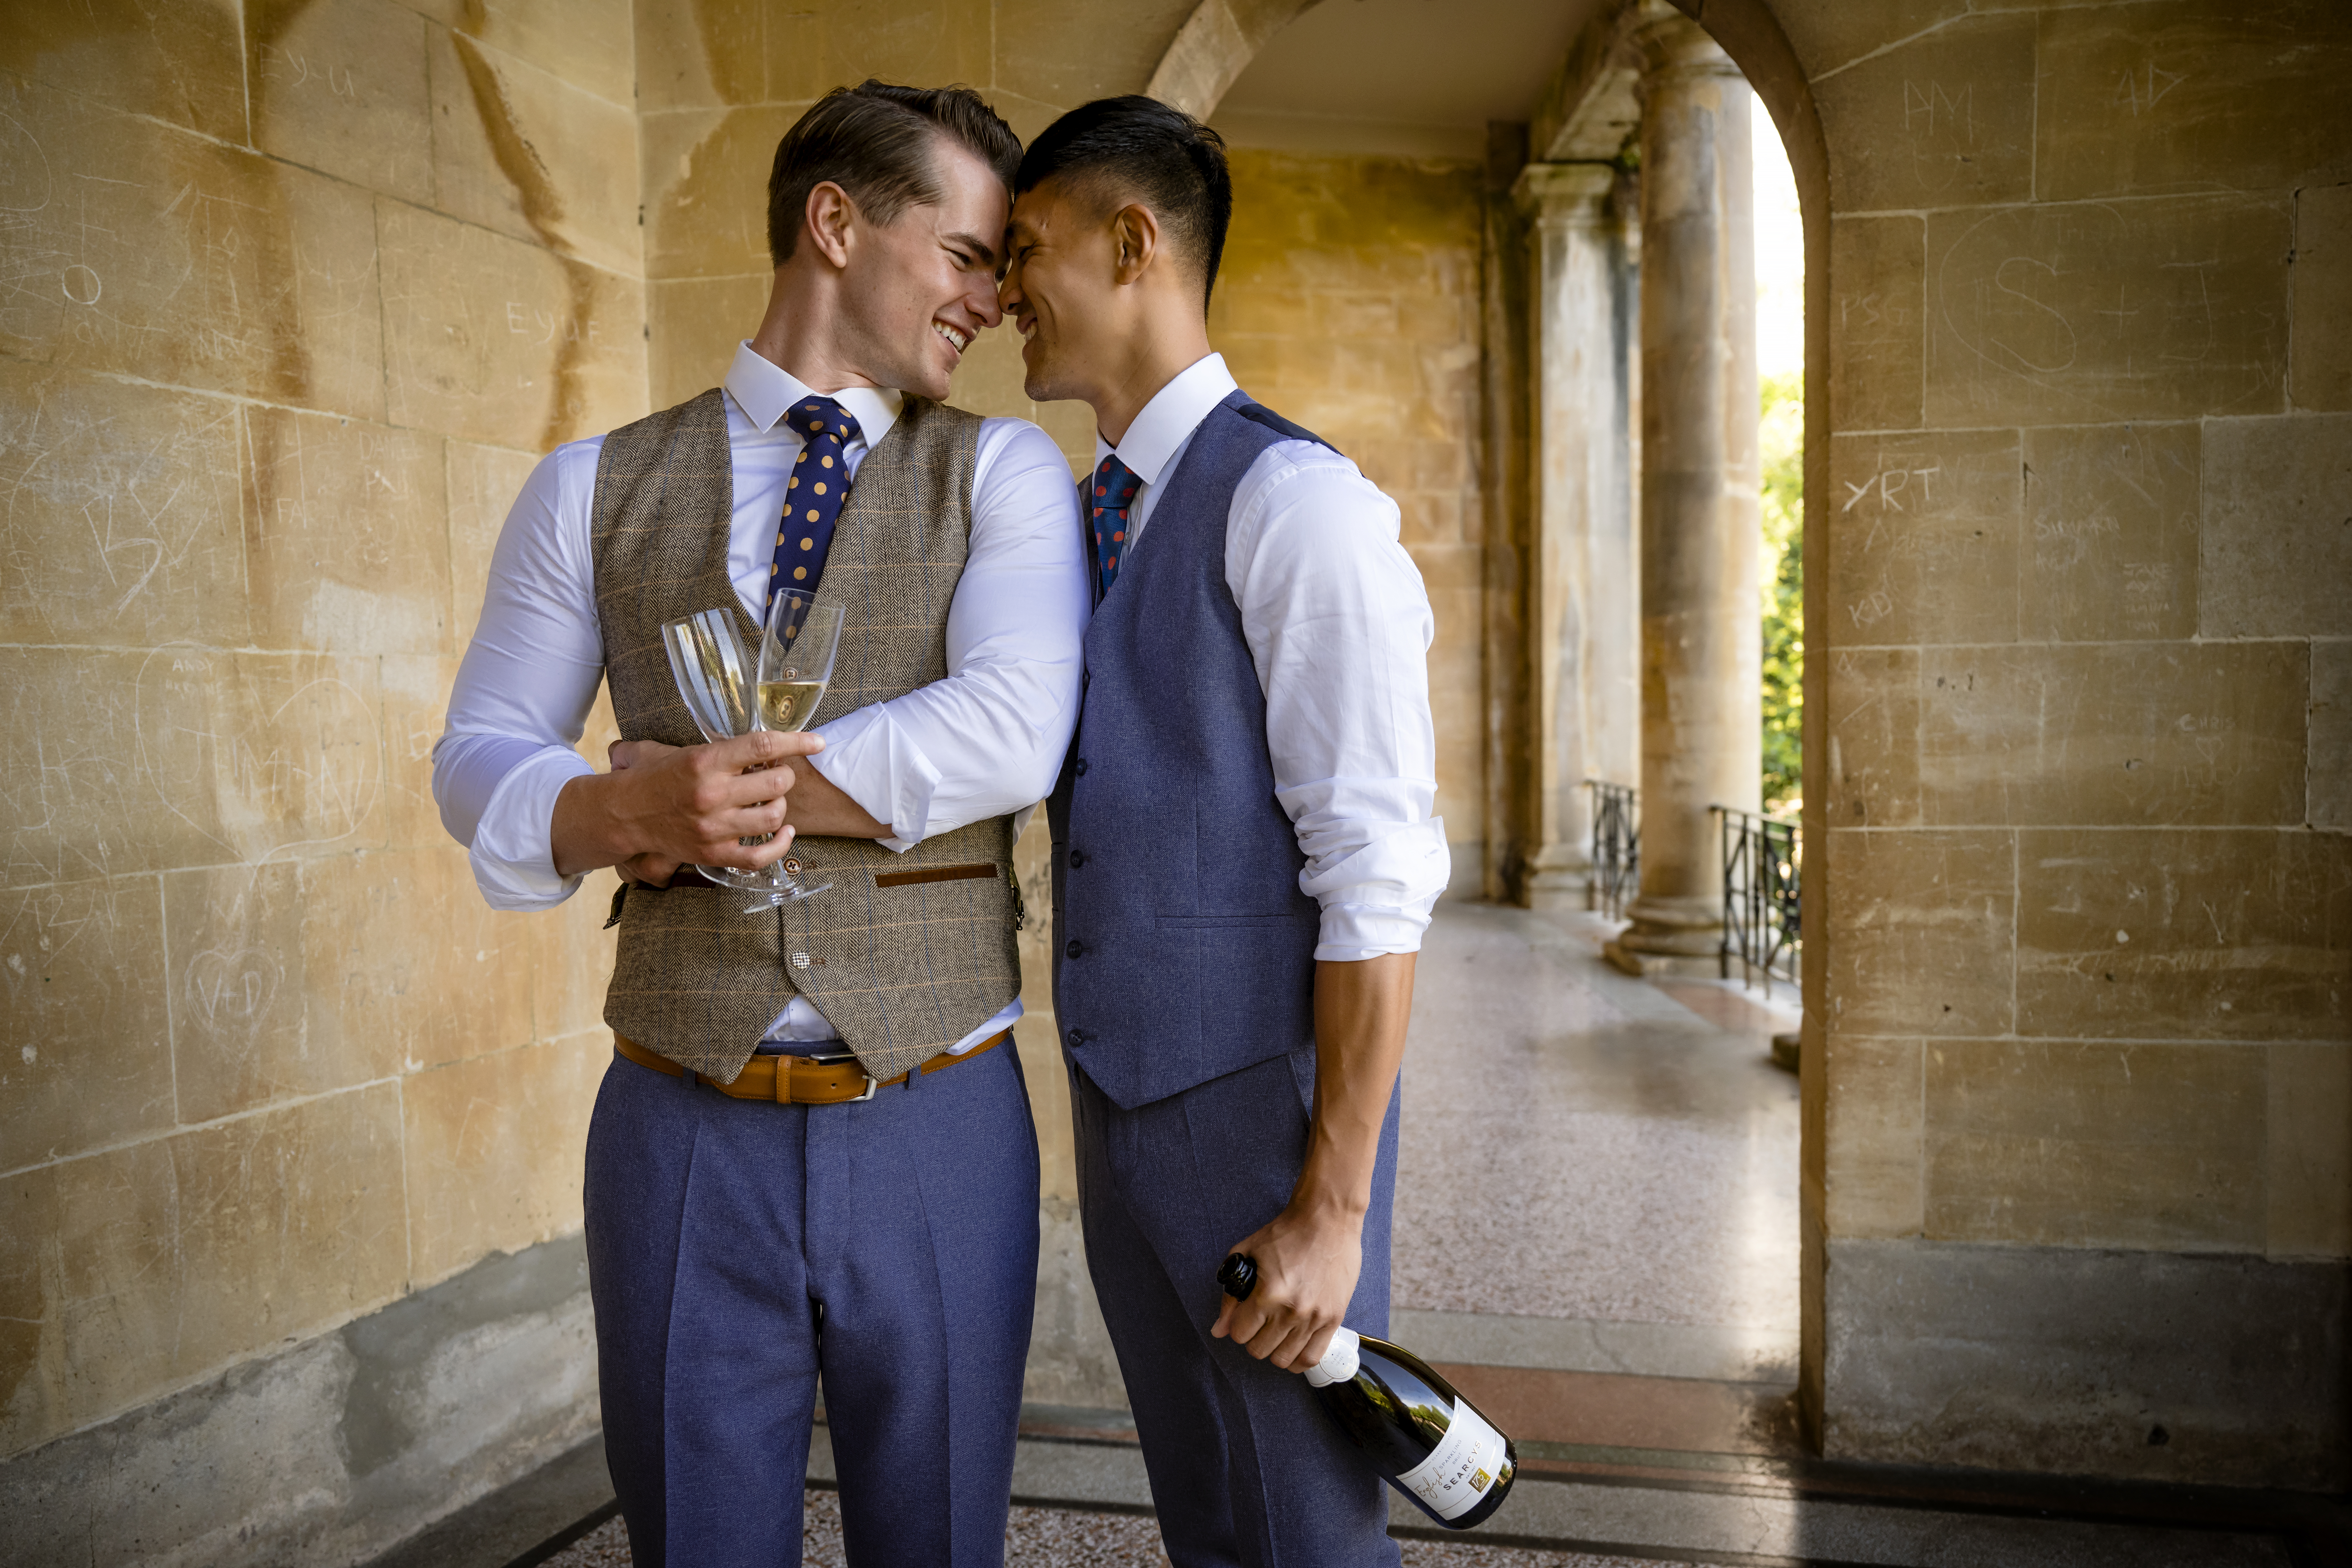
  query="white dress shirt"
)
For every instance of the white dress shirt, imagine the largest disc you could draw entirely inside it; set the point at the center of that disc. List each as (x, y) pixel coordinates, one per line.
(1339, 626)
(986, 741)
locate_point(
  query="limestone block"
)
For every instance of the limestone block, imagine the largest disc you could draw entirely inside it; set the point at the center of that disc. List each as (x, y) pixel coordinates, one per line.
(121, 761)
(1919, 931)
(1878, 325)
(408, 964)
(2275, 550)
(179, 63)
(572, 960)
(1026, 116)
(590, 44)
(2066, 1144)
(415, 711)
(2065, 1360)
(2330, 742)
(1873, 709)
(500, 342)
(494, 1149)
(1873, 1183)
(145, 250)
(706, 189)
(696, 324)
(85, 1046)
(483, 482)
(2111, 533)
(1829, 34)
(122, 517)
(340, 86)
(1942, 121)
(2309, 1180)
(347, 537)
(32, 1329)
(2191, 94)
(2219, 935)
(2124, 733)
(1058, 51)
(757, 53)
(1927, 538)
(2084, 312)
(524, 152)
(239, 992)
(181, 1253)
(2323, 298)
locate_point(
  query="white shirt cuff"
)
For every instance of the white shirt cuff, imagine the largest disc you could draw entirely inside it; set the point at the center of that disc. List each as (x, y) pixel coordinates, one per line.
(513, 853)
(1377, 899)
(875, 764)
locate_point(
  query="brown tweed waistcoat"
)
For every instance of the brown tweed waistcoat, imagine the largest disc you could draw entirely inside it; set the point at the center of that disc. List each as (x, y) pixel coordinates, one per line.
(903, 968)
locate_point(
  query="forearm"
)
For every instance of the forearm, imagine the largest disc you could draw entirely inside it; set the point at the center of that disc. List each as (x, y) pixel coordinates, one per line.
(585, 831)
(818, 807)
(1361, 1011)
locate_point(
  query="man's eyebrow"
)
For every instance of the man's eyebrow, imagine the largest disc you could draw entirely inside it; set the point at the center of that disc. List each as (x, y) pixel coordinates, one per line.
(986, 251)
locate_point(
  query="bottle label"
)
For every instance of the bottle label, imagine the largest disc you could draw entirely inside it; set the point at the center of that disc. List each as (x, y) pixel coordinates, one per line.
(1461, 1467)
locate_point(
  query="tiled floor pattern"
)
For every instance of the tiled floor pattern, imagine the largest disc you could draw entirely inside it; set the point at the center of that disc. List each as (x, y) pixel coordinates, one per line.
(1577, 1145)
(1065, 1538)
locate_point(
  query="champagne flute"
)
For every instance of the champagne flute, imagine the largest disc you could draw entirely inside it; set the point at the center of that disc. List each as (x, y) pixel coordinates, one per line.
(795, 665)
(717, 680)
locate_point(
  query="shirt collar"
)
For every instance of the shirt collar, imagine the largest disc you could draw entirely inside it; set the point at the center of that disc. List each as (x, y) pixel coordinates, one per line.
(1167, 421)
(766, 392)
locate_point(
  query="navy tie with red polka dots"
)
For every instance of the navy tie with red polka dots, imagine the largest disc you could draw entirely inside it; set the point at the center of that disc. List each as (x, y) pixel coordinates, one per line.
(813, 500)
(1114, 487)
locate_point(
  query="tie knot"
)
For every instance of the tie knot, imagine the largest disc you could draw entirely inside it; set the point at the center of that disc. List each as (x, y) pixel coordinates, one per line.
(820, 417)
(1115, 484)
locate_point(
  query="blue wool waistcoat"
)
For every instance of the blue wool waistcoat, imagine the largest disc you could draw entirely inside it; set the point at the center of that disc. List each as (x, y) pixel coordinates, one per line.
(1183, 948)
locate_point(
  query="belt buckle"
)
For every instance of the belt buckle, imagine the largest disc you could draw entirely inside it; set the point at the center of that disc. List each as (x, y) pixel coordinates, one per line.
(871, 1085)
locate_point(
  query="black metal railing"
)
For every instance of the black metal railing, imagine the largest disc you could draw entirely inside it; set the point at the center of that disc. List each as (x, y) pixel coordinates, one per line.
(1763, 859)
(1616, 846)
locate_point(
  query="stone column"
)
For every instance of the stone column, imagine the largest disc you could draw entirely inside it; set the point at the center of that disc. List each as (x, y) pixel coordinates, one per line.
(1701, 624)
(1582, 653)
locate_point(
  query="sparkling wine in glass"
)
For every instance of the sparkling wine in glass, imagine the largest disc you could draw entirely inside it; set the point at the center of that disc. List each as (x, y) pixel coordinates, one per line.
(796, 663)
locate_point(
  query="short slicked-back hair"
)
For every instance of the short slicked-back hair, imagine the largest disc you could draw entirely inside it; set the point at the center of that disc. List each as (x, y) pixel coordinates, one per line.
(874, 141)
(1139, 149)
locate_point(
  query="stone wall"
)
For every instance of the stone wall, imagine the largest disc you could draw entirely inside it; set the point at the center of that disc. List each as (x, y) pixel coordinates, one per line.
(2080, 948)
(293, 298)
(1348, 301)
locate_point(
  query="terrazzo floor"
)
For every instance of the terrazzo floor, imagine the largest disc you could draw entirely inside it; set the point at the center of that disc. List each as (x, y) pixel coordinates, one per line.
(1063, 1537)
(1576, 1146)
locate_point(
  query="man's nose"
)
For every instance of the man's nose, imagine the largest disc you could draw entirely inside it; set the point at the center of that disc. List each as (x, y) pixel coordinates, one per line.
(988, 305)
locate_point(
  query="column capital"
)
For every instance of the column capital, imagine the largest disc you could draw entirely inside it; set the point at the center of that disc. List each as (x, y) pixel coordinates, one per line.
(1671, 44)
(1564, 193)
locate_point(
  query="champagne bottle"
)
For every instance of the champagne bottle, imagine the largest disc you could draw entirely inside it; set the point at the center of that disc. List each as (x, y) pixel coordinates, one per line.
(1430, 1443)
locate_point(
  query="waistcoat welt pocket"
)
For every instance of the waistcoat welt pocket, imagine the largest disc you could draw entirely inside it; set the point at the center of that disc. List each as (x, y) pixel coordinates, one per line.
(986, 868)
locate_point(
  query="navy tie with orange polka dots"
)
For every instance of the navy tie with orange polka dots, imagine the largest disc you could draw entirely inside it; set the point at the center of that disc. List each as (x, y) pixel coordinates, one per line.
(820, 483)
(1114, 486)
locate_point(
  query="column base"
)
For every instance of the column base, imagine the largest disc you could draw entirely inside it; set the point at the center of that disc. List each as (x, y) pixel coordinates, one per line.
(1669, 937)
(1557, 877)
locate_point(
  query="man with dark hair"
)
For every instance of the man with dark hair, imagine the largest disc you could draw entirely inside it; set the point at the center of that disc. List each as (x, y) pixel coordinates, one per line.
(1245, 855)
(811, 1155)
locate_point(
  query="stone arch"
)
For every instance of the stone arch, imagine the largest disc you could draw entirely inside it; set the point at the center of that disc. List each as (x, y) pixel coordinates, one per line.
(1213, 48)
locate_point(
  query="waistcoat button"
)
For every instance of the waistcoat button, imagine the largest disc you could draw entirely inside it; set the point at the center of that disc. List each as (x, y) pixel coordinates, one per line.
(1081, 769)
(1076, 948)
(1077, 857)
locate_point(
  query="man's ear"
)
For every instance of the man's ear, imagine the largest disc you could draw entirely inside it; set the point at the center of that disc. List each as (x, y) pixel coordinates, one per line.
(1135, 241)
(829, 215)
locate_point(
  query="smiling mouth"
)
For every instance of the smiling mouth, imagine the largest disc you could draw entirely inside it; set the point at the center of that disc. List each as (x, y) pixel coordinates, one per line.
(956, 340)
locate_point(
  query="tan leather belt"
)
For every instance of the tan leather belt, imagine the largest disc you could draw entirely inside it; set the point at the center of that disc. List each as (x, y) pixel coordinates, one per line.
(796, 1080)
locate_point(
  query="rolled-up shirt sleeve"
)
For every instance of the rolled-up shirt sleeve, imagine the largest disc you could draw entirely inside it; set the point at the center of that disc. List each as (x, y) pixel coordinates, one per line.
(1340, 626)
(522, 694)
(987, 739)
